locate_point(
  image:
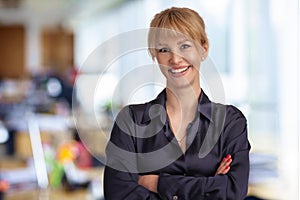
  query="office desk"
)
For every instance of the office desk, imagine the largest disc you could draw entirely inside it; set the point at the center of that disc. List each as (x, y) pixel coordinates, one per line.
(53, 194)
(60, 193)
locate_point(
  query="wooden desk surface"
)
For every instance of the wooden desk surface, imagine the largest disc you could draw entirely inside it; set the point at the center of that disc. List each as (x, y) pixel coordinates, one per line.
(53, 194)
(58, 193)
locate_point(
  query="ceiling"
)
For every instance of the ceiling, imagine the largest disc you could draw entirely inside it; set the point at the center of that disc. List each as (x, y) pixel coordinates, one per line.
(52, 11)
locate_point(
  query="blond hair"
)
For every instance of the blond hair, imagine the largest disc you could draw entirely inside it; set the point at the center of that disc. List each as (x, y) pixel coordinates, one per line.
(180, 20)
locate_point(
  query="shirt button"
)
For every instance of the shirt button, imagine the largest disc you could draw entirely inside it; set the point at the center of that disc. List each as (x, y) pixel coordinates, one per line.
(175, 197)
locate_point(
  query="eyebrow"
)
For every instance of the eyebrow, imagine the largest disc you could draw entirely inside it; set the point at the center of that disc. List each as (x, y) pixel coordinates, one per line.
(178, 43)
(183, 41)
(161, 44)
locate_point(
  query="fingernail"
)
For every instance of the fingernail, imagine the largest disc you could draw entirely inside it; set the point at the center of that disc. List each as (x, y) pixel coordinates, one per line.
(227, 167)
(228, 156)
(224, 159)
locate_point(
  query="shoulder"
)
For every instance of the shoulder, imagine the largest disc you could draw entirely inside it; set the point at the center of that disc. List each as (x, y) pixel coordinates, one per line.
(138, 109)
(224, 114)
(227, 117)
(233, 113)
(137, 112)
(144, 112)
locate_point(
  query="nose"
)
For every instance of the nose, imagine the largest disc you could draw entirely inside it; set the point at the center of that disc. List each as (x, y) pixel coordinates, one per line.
(175, 58)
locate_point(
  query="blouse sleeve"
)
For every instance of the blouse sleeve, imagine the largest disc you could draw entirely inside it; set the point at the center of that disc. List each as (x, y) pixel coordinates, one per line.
(120, 174)
(231, 186)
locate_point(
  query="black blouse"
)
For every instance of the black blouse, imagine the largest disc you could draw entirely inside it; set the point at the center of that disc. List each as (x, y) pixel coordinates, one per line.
(142, 143)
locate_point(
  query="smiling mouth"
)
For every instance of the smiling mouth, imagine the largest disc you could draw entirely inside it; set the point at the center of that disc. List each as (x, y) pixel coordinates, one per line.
(179, 70)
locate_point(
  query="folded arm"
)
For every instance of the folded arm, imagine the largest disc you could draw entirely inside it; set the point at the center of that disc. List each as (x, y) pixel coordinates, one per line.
(230, 185)
(121, 174)
(151, 181)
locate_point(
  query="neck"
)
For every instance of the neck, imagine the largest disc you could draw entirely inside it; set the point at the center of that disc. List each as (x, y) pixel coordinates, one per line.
(185, 99)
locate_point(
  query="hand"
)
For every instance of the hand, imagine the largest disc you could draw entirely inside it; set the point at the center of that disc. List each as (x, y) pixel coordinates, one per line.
(149, 182)
(225, 165)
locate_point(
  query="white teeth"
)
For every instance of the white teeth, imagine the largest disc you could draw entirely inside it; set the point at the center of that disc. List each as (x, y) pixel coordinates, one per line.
(175, 71)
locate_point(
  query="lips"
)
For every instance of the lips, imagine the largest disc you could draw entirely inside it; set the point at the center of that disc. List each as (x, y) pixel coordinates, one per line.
(177, 71)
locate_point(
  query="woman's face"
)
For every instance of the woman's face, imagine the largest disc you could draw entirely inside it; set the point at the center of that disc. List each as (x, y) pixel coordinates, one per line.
(179, 60)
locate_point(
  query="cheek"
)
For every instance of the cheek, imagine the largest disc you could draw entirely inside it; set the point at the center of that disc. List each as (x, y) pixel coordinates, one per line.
(162, 59)
(194, 59)
(163, 69)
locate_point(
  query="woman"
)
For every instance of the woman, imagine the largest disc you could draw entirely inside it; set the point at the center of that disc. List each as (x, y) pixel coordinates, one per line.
(179, 145)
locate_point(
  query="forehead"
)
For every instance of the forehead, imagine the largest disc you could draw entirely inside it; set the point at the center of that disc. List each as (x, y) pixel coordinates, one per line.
(172, 40)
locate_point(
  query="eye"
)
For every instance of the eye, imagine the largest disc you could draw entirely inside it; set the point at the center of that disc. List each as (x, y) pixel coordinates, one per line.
(164, 50)
(185, 46)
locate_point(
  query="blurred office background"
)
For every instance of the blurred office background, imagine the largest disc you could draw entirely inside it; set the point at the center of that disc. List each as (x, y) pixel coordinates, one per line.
(48, 46)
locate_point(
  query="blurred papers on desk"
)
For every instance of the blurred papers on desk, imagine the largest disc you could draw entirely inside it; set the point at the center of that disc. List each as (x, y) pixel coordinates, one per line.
(47, 122)
(20, 178)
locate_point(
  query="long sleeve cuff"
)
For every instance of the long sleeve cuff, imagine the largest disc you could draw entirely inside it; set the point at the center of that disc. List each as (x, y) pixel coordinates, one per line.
(187, 187)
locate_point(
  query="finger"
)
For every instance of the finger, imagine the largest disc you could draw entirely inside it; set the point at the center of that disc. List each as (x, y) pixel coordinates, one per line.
(141, 180)
(229, 161)
(224, 166)
(225, 162)
(224, 170)
(221, 170)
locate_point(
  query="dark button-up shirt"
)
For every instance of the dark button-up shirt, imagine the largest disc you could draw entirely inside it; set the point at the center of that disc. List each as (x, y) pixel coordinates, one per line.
(142, 142)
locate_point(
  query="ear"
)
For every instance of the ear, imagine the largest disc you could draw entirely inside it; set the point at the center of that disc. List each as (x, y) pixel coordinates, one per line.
(204, 52)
